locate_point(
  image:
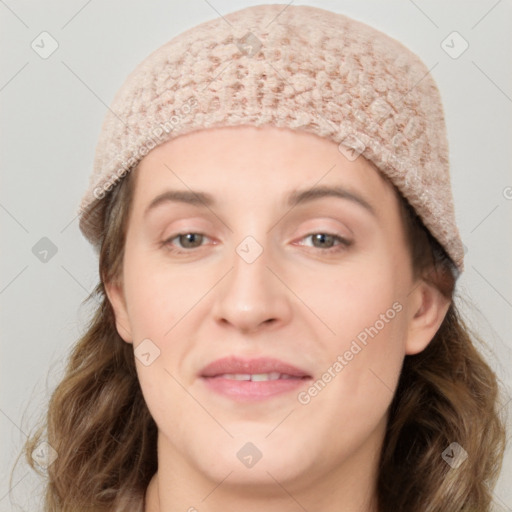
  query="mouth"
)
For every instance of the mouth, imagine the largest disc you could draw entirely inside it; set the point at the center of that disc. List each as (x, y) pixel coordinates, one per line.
(255, 379)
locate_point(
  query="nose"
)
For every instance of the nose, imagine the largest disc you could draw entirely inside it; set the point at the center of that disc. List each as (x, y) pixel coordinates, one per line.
(253, 296)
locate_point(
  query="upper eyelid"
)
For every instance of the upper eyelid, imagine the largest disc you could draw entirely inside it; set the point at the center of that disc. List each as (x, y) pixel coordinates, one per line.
(310, 219)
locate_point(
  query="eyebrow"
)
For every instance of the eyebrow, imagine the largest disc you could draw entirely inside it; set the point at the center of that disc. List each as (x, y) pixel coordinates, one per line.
(206, 200)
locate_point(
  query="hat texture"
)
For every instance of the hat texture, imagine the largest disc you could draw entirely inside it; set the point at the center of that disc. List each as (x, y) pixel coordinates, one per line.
(297, 67)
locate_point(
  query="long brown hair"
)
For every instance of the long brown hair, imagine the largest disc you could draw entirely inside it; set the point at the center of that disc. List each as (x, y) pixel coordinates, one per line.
(105, 438)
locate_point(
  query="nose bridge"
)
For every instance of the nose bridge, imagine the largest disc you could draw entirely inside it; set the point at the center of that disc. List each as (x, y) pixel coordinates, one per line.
(252, 251)
(250, 262)
(250, 278)
(251, 294)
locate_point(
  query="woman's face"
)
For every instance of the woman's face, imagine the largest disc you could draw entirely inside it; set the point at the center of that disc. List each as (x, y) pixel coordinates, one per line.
(269, 270)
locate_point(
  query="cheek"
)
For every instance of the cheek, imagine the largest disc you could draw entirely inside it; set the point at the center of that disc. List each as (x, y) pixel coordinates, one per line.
(155, 298)
(351, 395)
(156, 304)
(366, 311)
(359, 299)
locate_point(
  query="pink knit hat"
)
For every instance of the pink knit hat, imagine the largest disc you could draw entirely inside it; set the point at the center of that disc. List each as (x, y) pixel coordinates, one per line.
(298, 67)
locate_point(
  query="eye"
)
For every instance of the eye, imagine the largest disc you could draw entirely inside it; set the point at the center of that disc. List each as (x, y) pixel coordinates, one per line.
(325, 242)
(187, 240)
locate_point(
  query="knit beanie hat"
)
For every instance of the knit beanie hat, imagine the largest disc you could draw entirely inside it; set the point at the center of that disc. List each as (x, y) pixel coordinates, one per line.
(299, 67)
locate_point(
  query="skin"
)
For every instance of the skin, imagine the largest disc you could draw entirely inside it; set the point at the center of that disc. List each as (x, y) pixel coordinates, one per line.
(296, 302)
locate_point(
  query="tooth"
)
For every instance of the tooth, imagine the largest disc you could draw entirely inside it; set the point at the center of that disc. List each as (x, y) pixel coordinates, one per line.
(237, 376)
(256, 377)
(259, 377)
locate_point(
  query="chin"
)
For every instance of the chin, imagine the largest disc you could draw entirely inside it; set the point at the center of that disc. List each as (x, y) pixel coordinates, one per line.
(264, 474)
(250, 459)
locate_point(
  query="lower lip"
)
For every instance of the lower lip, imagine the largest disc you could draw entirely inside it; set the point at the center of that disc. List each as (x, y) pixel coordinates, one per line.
(246, 390)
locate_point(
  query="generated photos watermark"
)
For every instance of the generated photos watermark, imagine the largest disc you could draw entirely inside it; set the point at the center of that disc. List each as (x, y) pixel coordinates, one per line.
(356, 346)
(159, 132)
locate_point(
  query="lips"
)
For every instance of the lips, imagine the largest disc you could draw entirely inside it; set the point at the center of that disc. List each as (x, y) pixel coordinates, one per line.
(249, 380)
(237, 368)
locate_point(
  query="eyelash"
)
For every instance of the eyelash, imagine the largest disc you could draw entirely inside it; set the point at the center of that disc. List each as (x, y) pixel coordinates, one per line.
(344, 243)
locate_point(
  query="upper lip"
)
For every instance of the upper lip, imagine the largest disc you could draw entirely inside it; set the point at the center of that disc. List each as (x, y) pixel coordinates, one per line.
(236, 365)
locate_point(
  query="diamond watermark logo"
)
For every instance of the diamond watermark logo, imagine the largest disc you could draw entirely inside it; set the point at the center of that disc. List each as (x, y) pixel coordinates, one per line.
(146, 352)
(44, 45)
(249, 455)
(454, 45)
(454, 455)
(249, 45)
(249, 249)
(351, 147)
(44, 249)
(44, 455)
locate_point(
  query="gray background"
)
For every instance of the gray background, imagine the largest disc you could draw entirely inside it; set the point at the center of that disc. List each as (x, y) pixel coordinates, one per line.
(52, 111)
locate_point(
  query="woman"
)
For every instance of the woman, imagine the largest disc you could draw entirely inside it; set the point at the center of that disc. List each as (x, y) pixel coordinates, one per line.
(278, 256)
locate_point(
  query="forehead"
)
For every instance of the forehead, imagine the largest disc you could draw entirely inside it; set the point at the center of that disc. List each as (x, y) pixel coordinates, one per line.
(255, 165)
